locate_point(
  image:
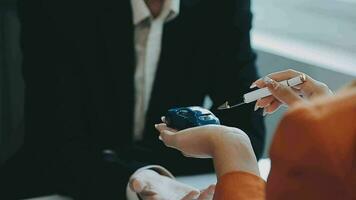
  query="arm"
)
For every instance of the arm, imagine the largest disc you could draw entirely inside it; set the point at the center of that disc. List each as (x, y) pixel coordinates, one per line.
(234, 160)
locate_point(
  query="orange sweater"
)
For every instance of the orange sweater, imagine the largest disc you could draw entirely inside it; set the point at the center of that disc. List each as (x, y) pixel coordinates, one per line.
(313, 156)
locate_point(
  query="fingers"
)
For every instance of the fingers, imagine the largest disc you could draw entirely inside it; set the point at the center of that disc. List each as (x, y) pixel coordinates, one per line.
(140, 186)
(207, 194)
(136, 185)
(269, 104)
(281, 92)
(283, 75)
(191, 195)
(264, 102)
(274, 106)
(162, 127)
(277, 76)
(142, 189)
(258, 83)
(167, 135)
(139, 182)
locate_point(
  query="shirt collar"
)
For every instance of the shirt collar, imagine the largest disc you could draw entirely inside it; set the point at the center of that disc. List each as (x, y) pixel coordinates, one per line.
(174, 9)
(141, 12)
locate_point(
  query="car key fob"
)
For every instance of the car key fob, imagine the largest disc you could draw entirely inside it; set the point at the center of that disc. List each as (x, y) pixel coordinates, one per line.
(188, 117)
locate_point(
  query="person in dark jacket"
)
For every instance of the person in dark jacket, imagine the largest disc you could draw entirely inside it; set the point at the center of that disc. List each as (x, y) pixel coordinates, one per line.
(100, 74)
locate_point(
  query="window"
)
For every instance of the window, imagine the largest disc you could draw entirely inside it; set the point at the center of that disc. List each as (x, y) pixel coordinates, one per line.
(322, 32)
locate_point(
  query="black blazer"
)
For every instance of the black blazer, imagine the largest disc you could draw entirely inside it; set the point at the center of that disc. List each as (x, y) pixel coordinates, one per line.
(78, 69)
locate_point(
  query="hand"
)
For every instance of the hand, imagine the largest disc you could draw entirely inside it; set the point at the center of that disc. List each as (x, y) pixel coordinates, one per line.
(201, 147)
(207, 194)
(281, 94)
(150, 185)
(230, 148)
(198, 142)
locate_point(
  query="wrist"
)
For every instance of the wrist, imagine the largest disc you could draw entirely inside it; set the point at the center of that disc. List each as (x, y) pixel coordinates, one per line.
(233, 152)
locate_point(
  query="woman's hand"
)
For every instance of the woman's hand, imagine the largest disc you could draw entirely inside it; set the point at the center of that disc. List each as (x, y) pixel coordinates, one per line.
(230, 148)
(281, 94)
(198, 142)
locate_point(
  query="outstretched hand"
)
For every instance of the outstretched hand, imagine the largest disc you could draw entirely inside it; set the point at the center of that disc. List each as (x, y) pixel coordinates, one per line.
(198, 142)
(229, 147)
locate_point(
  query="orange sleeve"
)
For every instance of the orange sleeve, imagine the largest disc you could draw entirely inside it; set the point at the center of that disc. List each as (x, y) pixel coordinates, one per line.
(240, 186)
(312, 153)
(313, 157)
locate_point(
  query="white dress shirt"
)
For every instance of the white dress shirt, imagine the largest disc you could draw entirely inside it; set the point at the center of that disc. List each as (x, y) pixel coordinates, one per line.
(148, 38)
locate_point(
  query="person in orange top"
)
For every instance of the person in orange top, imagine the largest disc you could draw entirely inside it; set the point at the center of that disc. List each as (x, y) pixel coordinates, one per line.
(313, 152)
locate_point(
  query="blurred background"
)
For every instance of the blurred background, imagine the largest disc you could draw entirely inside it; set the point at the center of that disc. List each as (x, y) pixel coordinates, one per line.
(317, 37)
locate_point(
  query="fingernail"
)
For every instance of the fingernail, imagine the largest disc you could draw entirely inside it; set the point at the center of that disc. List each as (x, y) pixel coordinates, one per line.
(270, 81)
(156, 125)
(253, 85)
(256, 107)
(162, 118)
(160, 138)
(267, 80)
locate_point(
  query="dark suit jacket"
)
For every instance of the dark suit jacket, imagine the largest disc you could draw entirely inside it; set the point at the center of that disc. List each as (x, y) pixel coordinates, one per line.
(78, 68)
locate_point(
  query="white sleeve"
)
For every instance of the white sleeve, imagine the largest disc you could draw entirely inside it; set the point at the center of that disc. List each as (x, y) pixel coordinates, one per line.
(130, 195)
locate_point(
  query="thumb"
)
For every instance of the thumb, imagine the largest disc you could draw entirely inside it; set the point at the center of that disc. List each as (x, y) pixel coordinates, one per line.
(283, 93)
